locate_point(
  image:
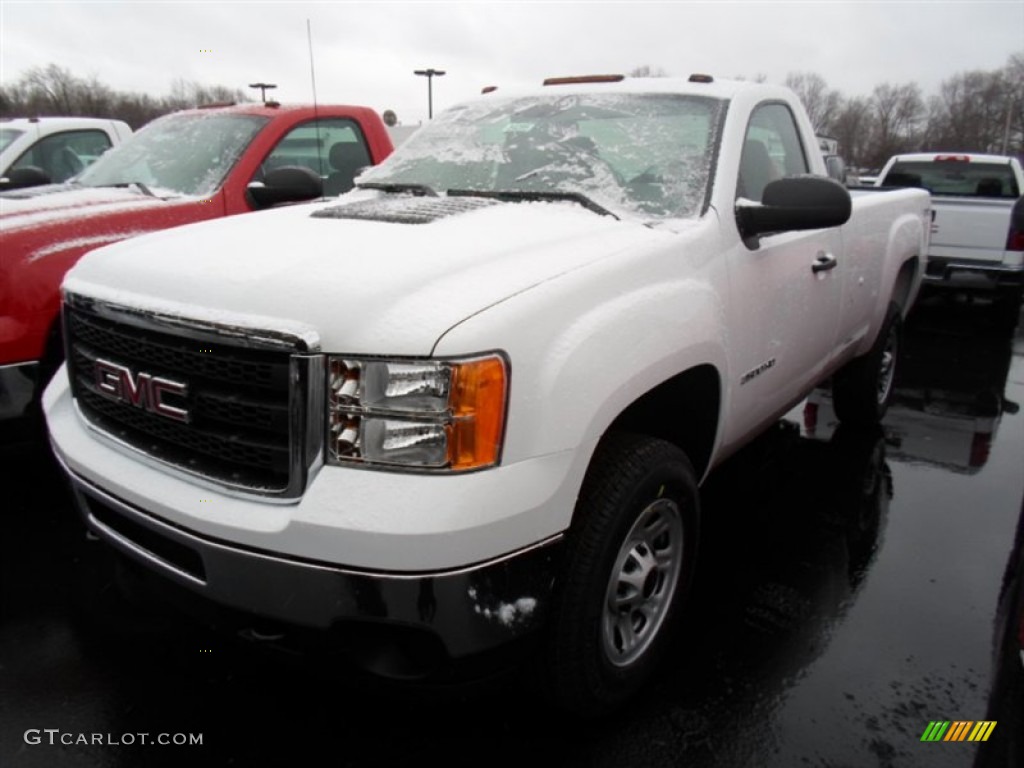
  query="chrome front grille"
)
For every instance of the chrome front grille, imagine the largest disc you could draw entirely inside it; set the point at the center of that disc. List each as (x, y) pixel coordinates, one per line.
(251, 400)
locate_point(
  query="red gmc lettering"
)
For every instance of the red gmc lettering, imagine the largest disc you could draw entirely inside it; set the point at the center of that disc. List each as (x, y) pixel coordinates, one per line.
(143, 391)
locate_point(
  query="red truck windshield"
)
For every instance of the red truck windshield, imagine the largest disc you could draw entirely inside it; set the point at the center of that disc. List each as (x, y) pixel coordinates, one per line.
(955, 178)
(186, 154)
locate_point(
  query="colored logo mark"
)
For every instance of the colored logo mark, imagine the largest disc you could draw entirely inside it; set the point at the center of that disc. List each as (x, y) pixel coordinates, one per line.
(958, 730)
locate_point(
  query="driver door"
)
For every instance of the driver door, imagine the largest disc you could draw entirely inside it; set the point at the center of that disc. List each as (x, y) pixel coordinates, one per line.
(786, 290)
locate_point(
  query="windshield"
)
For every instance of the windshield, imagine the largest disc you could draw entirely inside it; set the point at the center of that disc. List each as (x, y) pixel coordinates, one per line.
(646, 154)
(7, 135)
(187, 154)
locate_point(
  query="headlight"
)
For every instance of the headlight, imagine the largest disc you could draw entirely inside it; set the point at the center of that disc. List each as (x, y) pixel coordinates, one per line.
(423, 414)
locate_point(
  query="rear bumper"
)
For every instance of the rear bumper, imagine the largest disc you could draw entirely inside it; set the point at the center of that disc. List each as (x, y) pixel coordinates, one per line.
(963, 274)
(395, 625)
(19, 388)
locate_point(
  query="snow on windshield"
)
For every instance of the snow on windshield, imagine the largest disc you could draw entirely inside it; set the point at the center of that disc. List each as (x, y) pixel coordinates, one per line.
(187, 154)
(646, 154)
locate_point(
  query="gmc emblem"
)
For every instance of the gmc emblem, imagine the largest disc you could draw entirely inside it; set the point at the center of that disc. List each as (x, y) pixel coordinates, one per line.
(116, 382)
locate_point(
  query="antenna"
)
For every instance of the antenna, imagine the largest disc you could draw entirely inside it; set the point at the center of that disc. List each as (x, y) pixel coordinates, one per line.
(316, 112)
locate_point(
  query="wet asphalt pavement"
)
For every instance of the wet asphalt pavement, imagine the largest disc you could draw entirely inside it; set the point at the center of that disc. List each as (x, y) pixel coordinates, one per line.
(852, 588)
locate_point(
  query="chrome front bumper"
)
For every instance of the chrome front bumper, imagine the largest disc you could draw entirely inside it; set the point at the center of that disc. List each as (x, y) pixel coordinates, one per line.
(397, 625)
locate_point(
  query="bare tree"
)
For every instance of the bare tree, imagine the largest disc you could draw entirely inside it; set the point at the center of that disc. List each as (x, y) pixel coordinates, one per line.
(1013, 121)
(899, 114)
(821, 102)
(53, 90)
(52, 87)
(969, 113)
(852, 127)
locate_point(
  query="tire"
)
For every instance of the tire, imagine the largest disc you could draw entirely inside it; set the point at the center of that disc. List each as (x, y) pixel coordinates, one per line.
(629, 562)
(863, 388)
(1006, 309)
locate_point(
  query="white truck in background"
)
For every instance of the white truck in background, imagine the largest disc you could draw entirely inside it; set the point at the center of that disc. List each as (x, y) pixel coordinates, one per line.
(835, 166)
(977, 238)
(467, 406)
(45, 150)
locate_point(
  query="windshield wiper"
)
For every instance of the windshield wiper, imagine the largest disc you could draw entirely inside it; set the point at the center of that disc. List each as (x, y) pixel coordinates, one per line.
(417, 189)
(142, 187)
(526, 194)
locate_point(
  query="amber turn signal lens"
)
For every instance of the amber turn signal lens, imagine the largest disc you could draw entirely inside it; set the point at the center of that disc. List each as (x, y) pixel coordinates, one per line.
(478, 393)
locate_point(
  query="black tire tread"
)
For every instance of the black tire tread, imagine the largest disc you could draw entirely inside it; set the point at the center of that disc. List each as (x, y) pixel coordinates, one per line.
(620, 465)
(854, 386)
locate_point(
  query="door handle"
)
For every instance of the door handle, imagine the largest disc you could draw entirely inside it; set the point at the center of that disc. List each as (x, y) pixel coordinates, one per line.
(823, 263)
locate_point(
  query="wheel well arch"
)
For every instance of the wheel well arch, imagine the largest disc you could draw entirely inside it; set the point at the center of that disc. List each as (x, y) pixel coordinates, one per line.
(904, 282)
(693, 398)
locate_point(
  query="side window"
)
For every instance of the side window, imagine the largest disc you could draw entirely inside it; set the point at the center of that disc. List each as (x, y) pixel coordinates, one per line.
(63, 155)
(335, 150)
(771, 150)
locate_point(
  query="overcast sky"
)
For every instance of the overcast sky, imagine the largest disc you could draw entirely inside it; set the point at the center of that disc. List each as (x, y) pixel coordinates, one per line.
(365, 53)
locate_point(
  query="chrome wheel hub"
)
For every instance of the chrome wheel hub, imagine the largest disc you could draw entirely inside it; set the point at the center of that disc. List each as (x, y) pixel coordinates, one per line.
(643, 582)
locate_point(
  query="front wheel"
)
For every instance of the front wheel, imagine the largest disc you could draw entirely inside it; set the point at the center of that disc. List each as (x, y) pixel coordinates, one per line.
(629, 561)
(863, 388)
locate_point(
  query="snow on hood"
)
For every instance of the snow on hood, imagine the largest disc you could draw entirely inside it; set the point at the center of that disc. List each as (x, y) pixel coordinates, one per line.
(90, 241)
(364, 286)
(67, 204)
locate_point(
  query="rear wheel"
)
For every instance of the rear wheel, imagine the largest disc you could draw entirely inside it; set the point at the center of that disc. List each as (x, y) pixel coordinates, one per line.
(629, 561)
(862, 389)
(1006, 307)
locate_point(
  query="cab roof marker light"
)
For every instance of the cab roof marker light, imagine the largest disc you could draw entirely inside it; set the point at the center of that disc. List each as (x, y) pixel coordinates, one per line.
(699, 78)
(584, 79)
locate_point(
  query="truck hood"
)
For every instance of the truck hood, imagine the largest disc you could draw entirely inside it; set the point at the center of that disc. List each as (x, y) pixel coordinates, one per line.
(39, 206)
(43, 221)
(369, 275)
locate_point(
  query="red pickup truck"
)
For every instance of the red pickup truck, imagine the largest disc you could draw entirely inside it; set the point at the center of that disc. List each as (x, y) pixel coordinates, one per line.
(186, 167)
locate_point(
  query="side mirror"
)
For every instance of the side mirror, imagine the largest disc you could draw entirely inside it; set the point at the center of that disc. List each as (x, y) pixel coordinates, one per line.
(27, 176)
(289, 184)
(795, 203)
(836, 168)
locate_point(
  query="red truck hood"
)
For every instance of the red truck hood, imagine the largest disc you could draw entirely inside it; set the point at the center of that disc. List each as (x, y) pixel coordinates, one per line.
(61, 220)
(82, 210)
(43, 235)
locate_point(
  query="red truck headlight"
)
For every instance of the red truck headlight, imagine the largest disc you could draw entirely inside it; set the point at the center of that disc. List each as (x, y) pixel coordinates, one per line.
(419, 414)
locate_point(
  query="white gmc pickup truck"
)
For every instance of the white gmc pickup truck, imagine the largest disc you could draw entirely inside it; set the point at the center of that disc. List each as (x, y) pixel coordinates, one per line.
(466, 407)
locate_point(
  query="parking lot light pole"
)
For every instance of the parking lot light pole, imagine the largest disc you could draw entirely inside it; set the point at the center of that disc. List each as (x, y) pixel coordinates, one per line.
(264, 87)
(430, 74)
